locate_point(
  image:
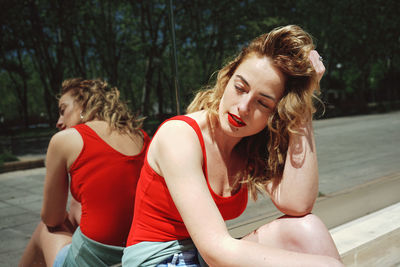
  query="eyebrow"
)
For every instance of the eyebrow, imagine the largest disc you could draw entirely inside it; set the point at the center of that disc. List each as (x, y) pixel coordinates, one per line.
(264, 95)
(243, 79)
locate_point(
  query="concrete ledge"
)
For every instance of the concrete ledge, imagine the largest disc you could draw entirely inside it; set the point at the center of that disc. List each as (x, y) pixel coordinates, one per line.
(339, 208)
(383, 251)
(21, 165)
(356, 202)
(364, 222)
(372, 240)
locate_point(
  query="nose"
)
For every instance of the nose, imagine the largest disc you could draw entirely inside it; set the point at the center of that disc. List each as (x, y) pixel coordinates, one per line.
(60, 123)
(244, 105)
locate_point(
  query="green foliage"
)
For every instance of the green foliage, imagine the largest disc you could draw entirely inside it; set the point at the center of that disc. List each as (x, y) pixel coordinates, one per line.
(33, 132)
(128, 43)
(7, 156)
(8, 101)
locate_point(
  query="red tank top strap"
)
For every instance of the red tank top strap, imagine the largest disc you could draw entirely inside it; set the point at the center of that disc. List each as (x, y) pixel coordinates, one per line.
(146, 137)
(196, 128)
(83, 128)
(87, 134)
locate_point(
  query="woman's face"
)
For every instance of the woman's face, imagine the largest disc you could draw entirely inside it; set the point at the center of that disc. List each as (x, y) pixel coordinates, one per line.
(69, 111)
(250, 97)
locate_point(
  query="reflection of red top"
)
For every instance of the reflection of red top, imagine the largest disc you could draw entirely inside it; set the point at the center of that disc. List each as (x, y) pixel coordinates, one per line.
(156, 216)
(104, 181)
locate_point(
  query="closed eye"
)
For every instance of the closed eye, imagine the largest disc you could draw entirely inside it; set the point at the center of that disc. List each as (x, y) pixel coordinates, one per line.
(239, 89)
(61, 109)
(264, 105)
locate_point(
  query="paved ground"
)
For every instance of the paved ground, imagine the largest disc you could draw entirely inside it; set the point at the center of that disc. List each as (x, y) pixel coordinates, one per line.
(352, 151)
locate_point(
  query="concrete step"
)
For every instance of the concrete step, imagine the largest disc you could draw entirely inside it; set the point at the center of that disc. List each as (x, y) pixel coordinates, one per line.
(25, 162)
(334, 209)
(21, 165)
(372, 240)
(364, 222)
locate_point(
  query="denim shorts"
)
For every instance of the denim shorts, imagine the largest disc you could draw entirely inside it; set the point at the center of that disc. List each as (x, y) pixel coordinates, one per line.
(61, 256)
(187, 258)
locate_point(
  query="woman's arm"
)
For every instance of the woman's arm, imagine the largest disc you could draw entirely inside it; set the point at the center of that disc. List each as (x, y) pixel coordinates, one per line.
(297, 190)
(296, 193)
(55, 194)
(176, 153)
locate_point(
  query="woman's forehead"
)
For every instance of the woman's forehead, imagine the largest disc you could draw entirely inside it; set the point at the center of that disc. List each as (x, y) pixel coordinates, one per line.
(67, 97)
(259, 71)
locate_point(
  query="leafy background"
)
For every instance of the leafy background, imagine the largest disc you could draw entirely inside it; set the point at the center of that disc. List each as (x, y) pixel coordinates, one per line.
(128, 43)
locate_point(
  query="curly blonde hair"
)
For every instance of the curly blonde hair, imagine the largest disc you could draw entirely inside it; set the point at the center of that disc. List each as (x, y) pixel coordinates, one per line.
(102, 102)
(288, 47)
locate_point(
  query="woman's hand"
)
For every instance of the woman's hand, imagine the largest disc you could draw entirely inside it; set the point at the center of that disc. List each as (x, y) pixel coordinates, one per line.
(317, 62)
(66, 226)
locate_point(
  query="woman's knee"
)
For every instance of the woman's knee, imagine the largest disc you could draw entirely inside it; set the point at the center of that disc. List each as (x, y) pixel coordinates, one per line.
(309, 234)
(297, 233)
(302, 231)
(310, 225)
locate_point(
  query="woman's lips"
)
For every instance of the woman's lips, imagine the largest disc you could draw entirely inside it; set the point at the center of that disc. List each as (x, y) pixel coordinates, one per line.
(235, 120)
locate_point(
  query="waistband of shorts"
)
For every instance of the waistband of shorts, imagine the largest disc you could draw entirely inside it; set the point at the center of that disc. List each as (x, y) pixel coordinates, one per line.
(107, 252)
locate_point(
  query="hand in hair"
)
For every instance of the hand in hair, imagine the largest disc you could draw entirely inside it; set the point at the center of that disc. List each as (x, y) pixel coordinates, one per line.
(317, 63)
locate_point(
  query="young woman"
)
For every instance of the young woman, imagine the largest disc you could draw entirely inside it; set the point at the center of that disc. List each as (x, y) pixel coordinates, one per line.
(101, 147)
(251, 132)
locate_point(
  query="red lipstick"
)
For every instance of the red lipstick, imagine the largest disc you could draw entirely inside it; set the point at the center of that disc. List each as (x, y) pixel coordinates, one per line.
(235, 120)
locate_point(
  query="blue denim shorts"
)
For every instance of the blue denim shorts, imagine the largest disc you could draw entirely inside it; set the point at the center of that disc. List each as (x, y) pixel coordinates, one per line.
(187, 258)
(61, 256)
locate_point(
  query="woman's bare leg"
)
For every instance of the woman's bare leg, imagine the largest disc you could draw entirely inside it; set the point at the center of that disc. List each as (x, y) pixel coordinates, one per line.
(33, 255)
(306, 234)
(44, 245)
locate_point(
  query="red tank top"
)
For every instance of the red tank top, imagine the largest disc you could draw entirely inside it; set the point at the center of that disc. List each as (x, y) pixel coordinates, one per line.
(156, 216)
(104, 181)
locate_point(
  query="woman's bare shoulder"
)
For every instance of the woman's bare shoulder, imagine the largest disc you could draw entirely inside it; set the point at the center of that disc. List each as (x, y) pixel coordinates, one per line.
(64, 135)
(176, 132)
(175, 141)
(65, 140)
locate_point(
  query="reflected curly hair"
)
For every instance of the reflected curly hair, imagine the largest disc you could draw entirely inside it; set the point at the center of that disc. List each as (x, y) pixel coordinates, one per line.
(100, 101)
(288, 47)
